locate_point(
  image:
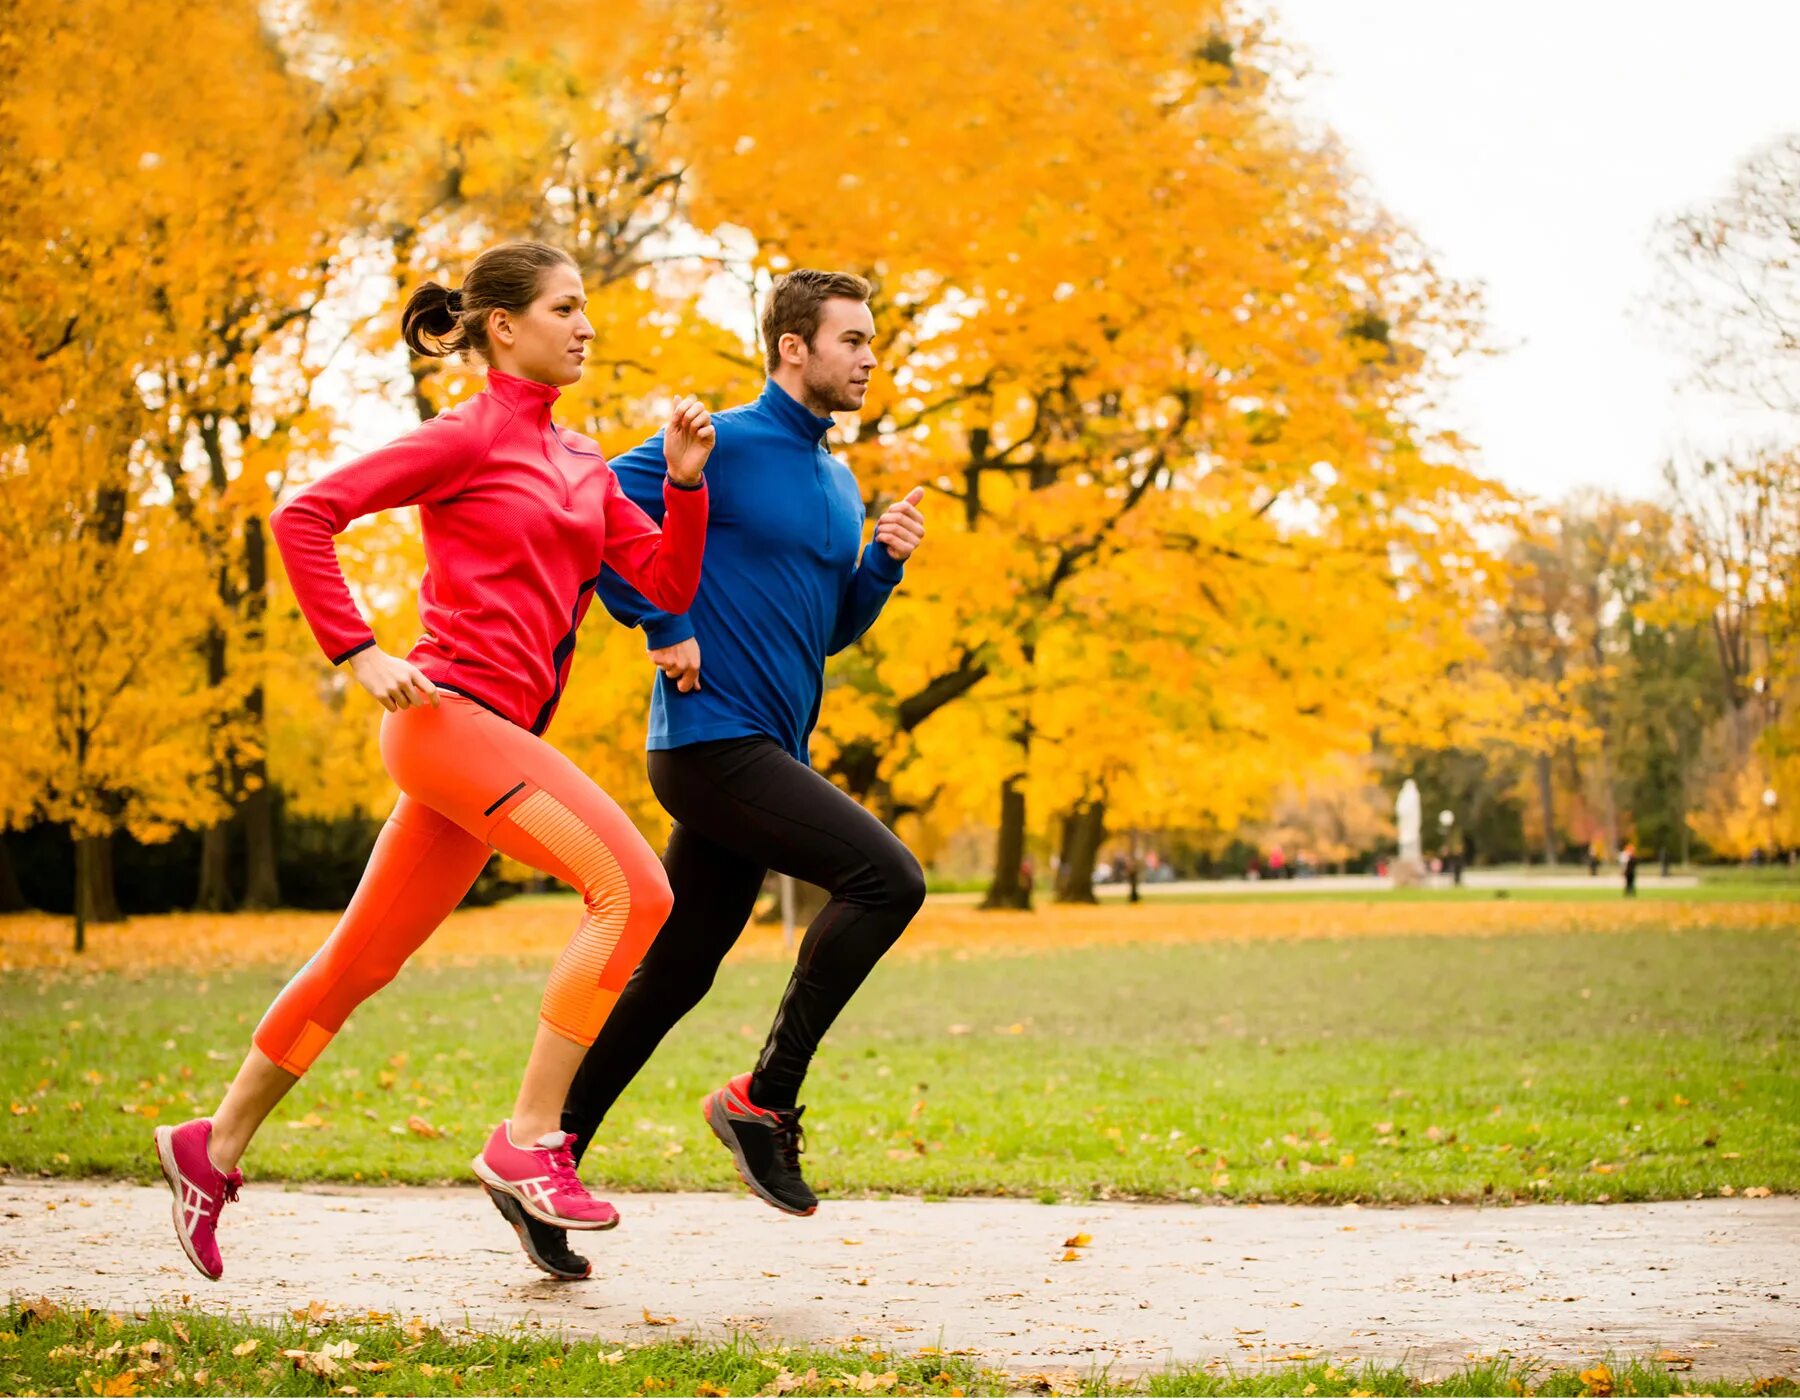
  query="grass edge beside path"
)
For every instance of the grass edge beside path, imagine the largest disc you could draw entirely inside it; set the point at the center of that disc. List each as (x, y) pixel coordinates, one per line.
(46, 1349)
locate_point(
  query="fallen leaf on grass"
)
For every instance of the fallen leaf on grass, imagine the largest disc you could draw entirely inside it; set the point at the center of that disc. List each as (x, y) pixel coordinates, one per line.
(313, 1363)
(180, 1331)
(42, 1310)
(125, 1383)
(708, 1388)
(245, 1348)
(418, 1127)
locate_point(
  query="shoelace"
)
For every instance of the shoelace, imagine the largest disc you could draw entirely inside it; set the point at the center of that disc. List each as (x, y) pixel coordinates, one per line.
(562, 1168)
(231, 1189)
(790, 1138)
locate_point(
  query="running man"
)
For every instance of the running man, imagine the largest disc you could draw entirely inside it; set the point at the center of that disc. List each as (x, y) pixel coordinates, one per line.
(517, 515)
(784, 589)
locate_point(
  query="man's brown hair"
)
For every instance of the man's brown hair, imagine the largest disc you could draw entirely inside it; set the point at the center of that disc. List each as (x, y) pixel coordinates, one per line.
(796, 302)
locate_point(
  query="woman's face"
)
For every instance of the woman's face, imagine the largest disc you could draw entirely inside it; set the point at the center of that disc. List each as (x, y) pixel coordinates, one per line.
(548, 340)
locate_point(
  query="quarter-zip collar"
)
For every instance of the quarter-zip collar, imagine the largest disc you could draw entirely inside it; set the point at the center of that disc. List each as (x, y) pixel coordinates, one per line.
(792, 414)
(515, 392)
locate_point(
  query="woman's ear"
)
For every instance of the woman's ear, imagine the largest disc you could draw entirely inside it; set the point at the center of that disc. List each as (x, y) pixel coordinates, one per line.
(500, 327)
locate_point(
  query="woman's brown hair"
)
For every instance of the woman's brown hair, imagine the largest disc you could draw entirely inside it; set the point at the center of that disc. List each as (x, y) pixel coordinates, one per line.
(439, 321)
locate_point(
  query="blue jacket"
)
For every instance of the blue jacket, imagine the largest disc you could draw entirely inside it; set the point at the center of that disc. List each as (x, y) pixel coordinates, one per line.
(781, 587)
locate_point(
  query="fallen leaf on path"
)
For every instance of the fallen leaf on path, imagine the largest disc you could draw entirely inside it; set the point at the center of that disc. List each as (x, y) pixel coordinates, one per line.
(1675, 1362)
(1070, 1254)
(1078, 1241)
(656, 1321)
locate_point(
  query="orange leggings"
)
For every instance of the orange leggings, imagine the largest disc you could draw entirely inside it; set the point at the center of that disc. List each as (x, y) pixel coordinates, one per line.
(470, 780)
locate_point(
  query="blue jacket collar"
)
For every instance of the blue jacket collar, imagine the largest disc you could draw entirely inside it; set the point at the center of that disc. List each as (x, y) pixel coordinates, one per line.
(792, 414)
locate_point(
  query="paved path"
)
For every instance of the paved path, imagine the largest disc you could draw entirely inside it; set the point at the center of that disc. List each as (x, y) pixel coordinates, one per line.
(1715, 1280)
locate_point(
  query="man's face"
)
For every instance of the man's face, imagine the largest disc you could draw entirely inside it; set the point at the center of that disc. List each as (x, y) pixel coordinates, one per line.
(841, 358)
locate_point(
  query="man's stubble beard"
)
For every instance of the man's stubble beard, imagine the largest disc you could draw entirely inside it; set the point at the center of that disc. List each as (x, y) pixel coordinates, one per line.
(835, 396)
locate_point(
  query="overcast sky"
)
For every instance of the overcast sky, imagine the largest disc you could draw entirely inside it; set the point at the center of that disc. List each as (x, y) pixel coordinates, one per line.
(1535, 145)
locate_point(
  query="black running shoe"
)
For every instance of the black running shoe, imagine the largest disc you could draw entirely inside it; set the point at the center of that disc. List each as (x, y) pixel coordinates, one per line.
(547, 1246)
(766, 1143)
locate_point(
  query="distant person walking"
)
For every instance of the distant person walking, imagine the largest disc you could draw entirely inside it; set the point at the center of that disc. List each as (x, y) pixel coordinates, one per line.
(1630, 860)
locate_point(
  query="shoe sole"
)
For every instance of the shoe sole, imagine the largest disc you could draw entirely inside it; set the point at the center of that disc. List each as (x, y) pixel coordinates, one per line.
(719, 1120)
(509, 1210)
(165, 1158)
(495, 1182)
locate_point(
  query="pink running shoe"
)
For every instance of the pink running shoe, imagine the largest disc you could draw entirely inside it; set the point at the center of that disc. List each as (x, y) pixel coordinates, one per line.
(541, 1178)
(201, 1191)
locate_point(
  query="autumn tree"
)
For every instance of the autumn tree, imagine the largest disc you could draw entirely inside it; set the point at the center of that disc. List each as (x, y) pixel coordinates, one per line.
(1131, 274)
(1730, 281)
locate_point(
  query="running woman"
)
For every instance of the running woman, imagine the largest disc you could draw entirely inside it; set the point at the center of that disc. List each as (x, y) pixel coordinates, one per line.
(517, 515)
(784, 589)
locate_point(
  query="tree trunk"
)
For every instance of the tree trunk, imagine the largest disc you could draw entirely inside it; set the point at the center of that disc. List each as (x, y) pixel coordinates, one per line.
(1083, 832)
(1008, 890)
(214, 895)
(215, 870)
(257, 811)
(96, 901)
(12, 898)
(1547, 804)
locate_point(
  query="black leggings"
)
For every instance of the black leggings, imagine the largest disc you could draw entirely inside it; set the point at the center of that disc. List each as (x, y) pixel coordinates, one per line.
(743, 807)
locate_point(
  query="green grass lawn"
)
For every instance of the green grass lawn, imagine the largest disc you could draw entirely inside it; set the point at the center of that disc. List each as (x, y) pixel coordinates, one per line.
(50, 1351)
(1556, 1067)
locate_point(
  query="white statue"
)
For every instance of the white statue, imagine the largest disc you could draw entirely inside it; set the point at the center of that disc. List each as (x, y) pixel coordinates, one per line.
(1407, 812)
(1409, 869)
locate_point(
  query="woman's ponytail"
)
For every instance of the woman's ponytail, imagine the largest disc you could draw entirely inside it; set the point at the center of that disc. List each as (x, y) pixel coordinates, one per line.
(432, 323)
